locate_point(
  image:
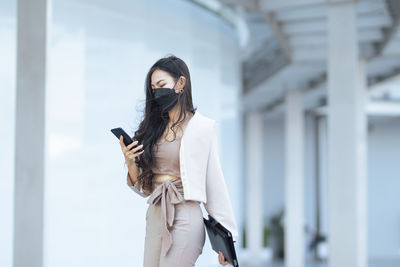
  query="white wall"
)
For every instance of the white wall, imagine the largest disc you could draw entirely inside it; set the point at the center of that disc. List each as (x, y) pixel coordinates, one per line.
(383, 189)
(106, 56)
(383, 182)
(7, 131)
(274, 172)
(273, 168)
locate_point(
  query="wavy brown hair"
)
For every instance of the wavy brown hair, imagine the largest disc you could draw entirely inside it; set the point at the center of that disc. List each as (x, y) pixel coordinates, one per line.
(154, 122)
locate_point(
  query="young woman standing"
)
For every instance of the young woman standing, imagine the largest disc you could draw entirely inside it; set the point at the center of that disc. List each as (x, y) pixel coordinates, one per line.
(174, 161)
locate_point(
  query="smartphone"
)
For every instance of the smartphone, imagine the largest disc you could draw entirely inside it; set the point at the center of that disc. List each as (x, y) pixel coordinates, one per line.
(118, 132)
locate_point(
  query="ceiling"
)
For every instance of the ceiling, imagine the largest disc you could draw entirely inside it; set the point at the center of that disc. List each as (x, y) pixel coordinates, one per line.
(286, 48)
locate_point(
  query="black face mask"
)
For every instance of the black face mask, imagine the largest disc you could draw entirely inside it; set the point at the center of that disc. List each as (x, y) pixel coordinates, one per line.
(166, 98)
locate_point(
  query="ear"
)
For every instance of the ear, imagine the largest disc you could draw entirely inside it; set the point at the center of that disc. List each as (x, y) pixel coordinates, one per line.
(182, 81)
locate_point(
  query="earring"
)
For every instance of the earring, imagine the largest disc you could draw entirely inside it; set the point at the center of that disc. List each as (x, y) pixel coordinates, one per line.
(181, 90)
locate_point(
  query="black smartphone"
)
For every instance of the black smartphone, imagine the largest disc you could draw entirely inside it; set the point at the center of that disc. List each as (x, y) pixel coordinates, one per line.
(118, 132)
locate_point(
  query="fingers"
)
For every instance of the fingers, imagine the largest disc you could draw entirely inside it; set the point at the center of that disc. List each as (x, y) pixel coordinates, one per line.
(134, 150)
(132, 155)
(222, 260)
(121, 141)
(129, 151)
(132, 145)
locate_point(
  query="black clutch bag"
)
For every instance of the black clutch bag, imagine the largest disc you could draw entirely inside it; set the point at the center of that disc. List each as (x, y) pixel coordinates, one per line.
(221, 240)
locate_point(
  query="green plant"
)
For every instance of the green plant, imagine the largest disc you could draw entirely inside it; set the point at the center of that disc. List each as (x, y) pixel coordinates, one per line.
(266, 236)
(277, 235)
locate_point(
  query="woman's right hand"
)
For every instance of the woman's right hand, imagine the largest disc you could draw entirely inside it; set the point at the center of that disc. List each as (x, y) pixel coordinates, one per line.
(130, 153)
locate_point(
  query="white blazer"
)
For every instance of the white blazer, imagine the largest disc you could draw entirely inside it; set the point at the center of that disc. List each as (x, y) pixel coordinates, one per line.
(201, 172)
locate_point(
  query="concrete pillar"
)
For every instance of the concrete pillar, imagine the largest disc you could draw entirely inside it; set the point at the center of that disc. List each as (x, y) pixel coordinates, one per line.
(253, 146)
(294, 179)
(322, 248)
(346, 140)
(32, 32)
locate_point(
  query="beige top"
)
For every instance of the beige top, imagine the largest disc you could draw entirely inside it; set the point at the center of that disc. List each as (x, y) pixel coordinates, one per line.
(166, 156)
(167, 193)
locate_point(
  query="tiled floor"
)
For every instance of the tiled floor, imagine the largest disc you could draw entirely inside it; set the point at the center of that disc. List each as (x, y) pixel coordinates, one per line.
(245, 260)
(371, 263)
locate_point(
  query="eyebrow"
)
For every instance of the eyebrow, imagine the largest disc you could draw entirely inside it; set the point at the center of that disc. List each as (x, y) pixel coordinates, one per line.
(158, 82)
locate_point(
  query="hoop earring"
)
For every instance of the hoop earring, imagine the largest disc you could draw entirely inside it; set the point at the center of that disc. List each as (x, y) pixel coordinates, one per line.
(181, 90)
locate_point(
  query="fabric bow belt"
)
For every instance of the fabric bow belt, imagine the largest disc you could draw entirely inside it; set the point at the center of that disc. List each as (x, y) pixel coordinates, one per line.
(169, 195)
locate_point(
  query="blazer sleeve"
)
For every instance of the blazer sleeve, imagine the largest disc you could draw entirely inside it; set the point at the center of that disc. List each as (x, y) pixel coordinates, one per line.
(218, 203)
(135, 187)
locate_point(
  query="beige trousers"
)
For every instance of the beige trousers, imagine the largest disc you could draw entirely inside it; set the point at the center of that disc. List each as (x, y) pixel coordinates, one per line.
(175, 231)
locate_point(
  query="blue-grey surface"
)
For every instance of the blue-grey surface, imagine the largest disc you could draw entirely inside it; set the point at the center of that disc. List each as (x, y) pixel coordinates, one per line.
(371, 263)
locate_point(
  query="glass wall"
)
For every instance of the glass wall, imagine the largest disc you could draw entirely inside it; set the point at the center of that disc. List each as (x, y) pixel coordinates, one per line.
(106, 49)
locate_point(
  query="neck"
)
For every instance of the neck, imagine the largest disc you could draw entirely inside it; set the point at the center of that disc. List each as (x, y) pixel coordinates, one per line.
(173, 114)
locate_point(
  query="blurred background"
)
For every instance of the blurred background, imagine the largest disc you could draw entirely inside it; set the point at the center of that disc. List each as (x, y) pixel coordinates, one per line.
(306, 93)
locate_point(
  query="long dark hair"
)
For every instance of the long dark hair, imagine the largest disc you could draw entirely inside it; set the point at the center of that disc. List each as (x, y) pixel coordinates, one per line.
(154, 122)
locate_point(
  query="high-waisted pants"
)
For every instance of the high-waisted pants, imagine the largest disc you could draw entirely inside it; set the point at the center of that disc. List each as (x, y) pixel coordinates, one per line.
(175, 233)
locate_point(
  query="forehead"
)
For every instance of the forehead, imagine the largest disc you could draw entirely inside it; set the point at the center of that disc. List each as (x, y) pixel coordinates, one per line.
(160, 75)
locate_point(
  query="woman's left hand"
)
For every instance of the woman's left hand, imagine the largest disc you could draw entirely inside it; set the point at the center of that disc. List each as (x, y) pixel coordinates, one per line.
(222, 260)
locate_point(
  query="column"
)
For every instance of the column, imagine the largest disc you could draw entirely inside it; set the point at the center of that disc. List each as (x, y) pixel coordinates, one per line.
(294, 179)
(253, 146)
(322, 248)
(32, 32)
(346, 140)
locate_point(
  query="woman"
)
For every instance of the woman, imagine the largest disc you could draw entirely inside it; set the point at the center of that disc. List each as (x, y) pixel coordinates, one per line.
(175, 162)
